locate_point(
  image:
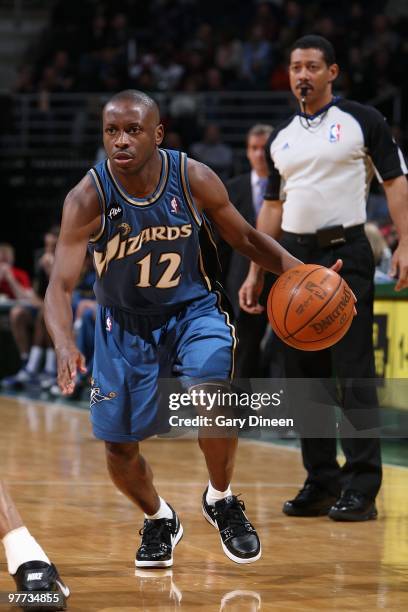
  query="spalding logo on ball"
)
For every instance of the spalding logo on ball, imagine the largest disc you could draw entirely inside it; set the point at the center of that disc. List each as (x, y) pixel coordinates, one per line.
(310, 307)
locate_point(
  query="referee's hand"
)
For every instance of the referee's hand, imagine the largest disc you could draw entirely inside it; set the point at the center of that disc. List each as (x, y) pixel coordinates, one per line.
(399, 266)
(249, 294)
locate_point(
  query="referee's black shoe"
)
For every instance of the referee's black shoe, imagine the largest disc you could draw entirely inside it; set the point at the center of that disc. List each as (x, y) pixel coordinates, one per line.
(239, 539)
(310, 501)
(353, 506)
(38, 577)
(159, 538)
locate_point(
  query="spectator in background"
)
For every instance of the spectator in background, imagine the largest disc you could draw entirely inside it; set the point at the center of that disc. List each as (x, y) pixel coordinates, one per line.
(228, 56)
(167, 71)
(183, 114)
(64, 74)
(381, 252)
(213, 152)
(28, 327)
(389, 232)
(257, 58)
(14, 282)
(246, 191)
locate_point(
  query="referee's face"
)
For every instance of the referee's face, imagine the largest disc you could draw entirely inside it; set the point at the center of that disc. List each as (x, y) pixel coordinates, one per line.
(308, 69)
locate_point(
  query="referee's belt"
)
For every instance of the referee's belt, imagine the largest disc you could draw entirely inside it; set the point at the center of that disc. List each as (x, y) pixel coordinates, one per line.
(327, 236)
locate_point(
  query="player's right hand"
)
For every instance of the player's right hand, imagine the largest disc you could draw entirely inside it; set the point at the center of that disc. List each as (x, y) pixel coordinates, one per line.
(249, 294)
(69, 360)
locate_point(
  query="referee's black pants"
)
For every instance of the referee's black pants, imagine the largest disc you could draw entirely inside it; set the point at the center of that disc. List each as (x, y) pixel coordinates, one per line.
(351, 359)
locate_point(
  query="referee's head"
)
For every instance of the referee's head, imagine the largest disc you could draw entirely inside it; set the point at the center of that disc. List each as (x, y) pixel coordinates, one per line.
(312, 68)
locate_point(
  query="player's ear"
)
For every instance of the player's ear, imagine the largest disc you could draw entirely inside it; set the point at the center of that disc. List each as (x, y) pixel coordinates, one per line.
(159, 134)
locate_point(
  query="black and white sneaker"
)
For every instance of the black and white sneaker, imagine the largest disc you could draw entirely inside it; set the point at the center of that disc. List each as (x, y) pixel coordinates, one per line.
(159, 538)
(239, 539)
(40, 577)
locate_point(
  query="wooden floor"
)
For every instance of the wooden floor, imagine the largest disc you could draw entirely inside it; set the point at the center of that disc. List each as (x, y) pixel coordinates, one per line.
(56, 473)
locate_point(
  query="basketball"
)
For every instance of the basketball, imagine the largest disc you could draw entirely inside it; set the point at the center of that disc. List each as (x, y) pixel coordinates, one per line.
(310, 307)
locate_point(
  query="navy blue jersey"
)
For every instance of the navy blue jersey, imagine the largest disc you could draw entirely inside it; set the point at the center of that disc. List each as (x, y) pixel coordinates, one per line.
(147, 254)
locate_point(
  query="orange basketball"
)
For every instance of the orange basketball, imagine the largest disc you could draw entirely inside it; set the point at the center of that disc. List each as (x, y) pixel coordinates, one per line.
(310, 307)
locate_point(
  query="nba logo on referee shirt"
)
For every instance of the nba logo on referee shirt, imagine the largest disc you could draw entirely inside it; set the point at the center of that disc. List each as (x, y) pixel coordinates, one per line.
(334, 132)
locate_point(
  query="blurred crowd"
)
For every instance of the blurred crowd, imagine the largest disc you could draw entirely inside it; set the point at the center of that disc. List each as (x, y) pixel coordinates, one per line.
(187, 45)
(23, 296)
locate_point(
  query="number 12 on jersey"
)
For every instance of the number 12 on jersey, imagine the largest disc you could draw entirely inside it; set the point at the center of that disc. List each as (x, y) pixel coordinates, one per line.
(169, 277)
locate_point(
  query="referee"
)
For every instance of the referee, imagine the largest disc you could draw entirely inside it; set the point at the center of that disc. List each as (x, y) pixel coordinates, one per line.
(321, 163)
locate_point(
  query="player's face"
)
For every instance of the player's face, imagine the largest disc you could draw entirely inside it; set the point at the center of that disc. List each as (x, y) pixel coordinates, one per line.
(256, 153)
(308, 68)
(131, 134)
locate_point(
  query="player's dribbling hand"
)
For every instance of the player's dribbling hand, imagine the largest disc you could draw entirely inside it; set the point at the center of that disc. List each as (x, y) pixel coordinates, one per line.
(337, 266)
(249, 294)
(70, 360)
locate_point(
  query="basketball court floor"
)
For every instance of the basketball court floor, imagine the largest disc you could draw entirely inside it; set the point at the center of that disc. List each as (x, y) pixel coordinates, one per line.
(56, 473)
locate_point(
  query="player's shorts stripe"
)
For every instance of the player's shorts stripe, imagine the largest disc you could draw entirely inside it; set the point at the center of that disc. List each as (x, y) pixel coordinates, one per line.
(186, 189)
(102, 203)
(232, 331)
(157, 194)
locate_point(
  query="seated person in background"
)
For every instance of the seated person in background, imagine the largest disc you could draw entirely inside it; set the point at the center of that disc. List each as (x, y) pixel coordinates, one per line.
(15, 283)
(382, 254)
(28, 327)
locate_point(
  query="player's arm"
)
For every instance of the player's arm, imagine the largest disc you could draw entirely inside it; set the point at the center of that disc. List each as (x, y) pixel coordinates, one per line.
(211, 196)
(396, 191)
(80, 220)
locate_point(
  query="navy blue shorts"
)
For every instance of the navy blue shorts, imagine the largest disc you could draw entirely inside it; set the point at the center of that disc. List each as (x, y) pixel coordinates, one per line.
(132, 352)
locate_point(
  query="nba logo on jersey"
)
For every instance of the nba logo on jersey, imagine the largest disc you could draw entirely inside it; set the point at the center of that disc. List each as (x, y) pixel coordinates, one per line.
(175, 207)
(108, 324)
(334, 132)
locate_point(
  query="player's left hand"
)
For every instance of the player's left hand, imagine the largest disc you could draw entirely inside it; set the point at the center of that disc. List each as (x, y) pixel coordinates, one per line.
(399, 265)
(70, 361)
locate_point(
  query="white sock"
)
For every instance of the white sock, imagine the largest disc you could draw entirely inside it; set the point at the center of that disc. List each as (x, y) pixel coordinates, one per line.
(34, 359)
(164, 511)
(20, 547)
(213, 495)
(50, 361)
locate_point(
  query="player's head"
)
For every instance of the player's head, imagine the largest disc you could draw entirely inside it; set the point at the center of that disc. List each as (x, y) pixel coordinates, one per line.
(312, 66)
(257, 138)
(131, 130)
(6, 253)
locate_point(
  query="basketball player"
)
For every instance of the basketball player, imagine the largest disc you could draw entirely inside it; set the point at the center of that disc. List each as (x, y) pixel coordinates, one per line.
(143, 212)
(26, 561)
